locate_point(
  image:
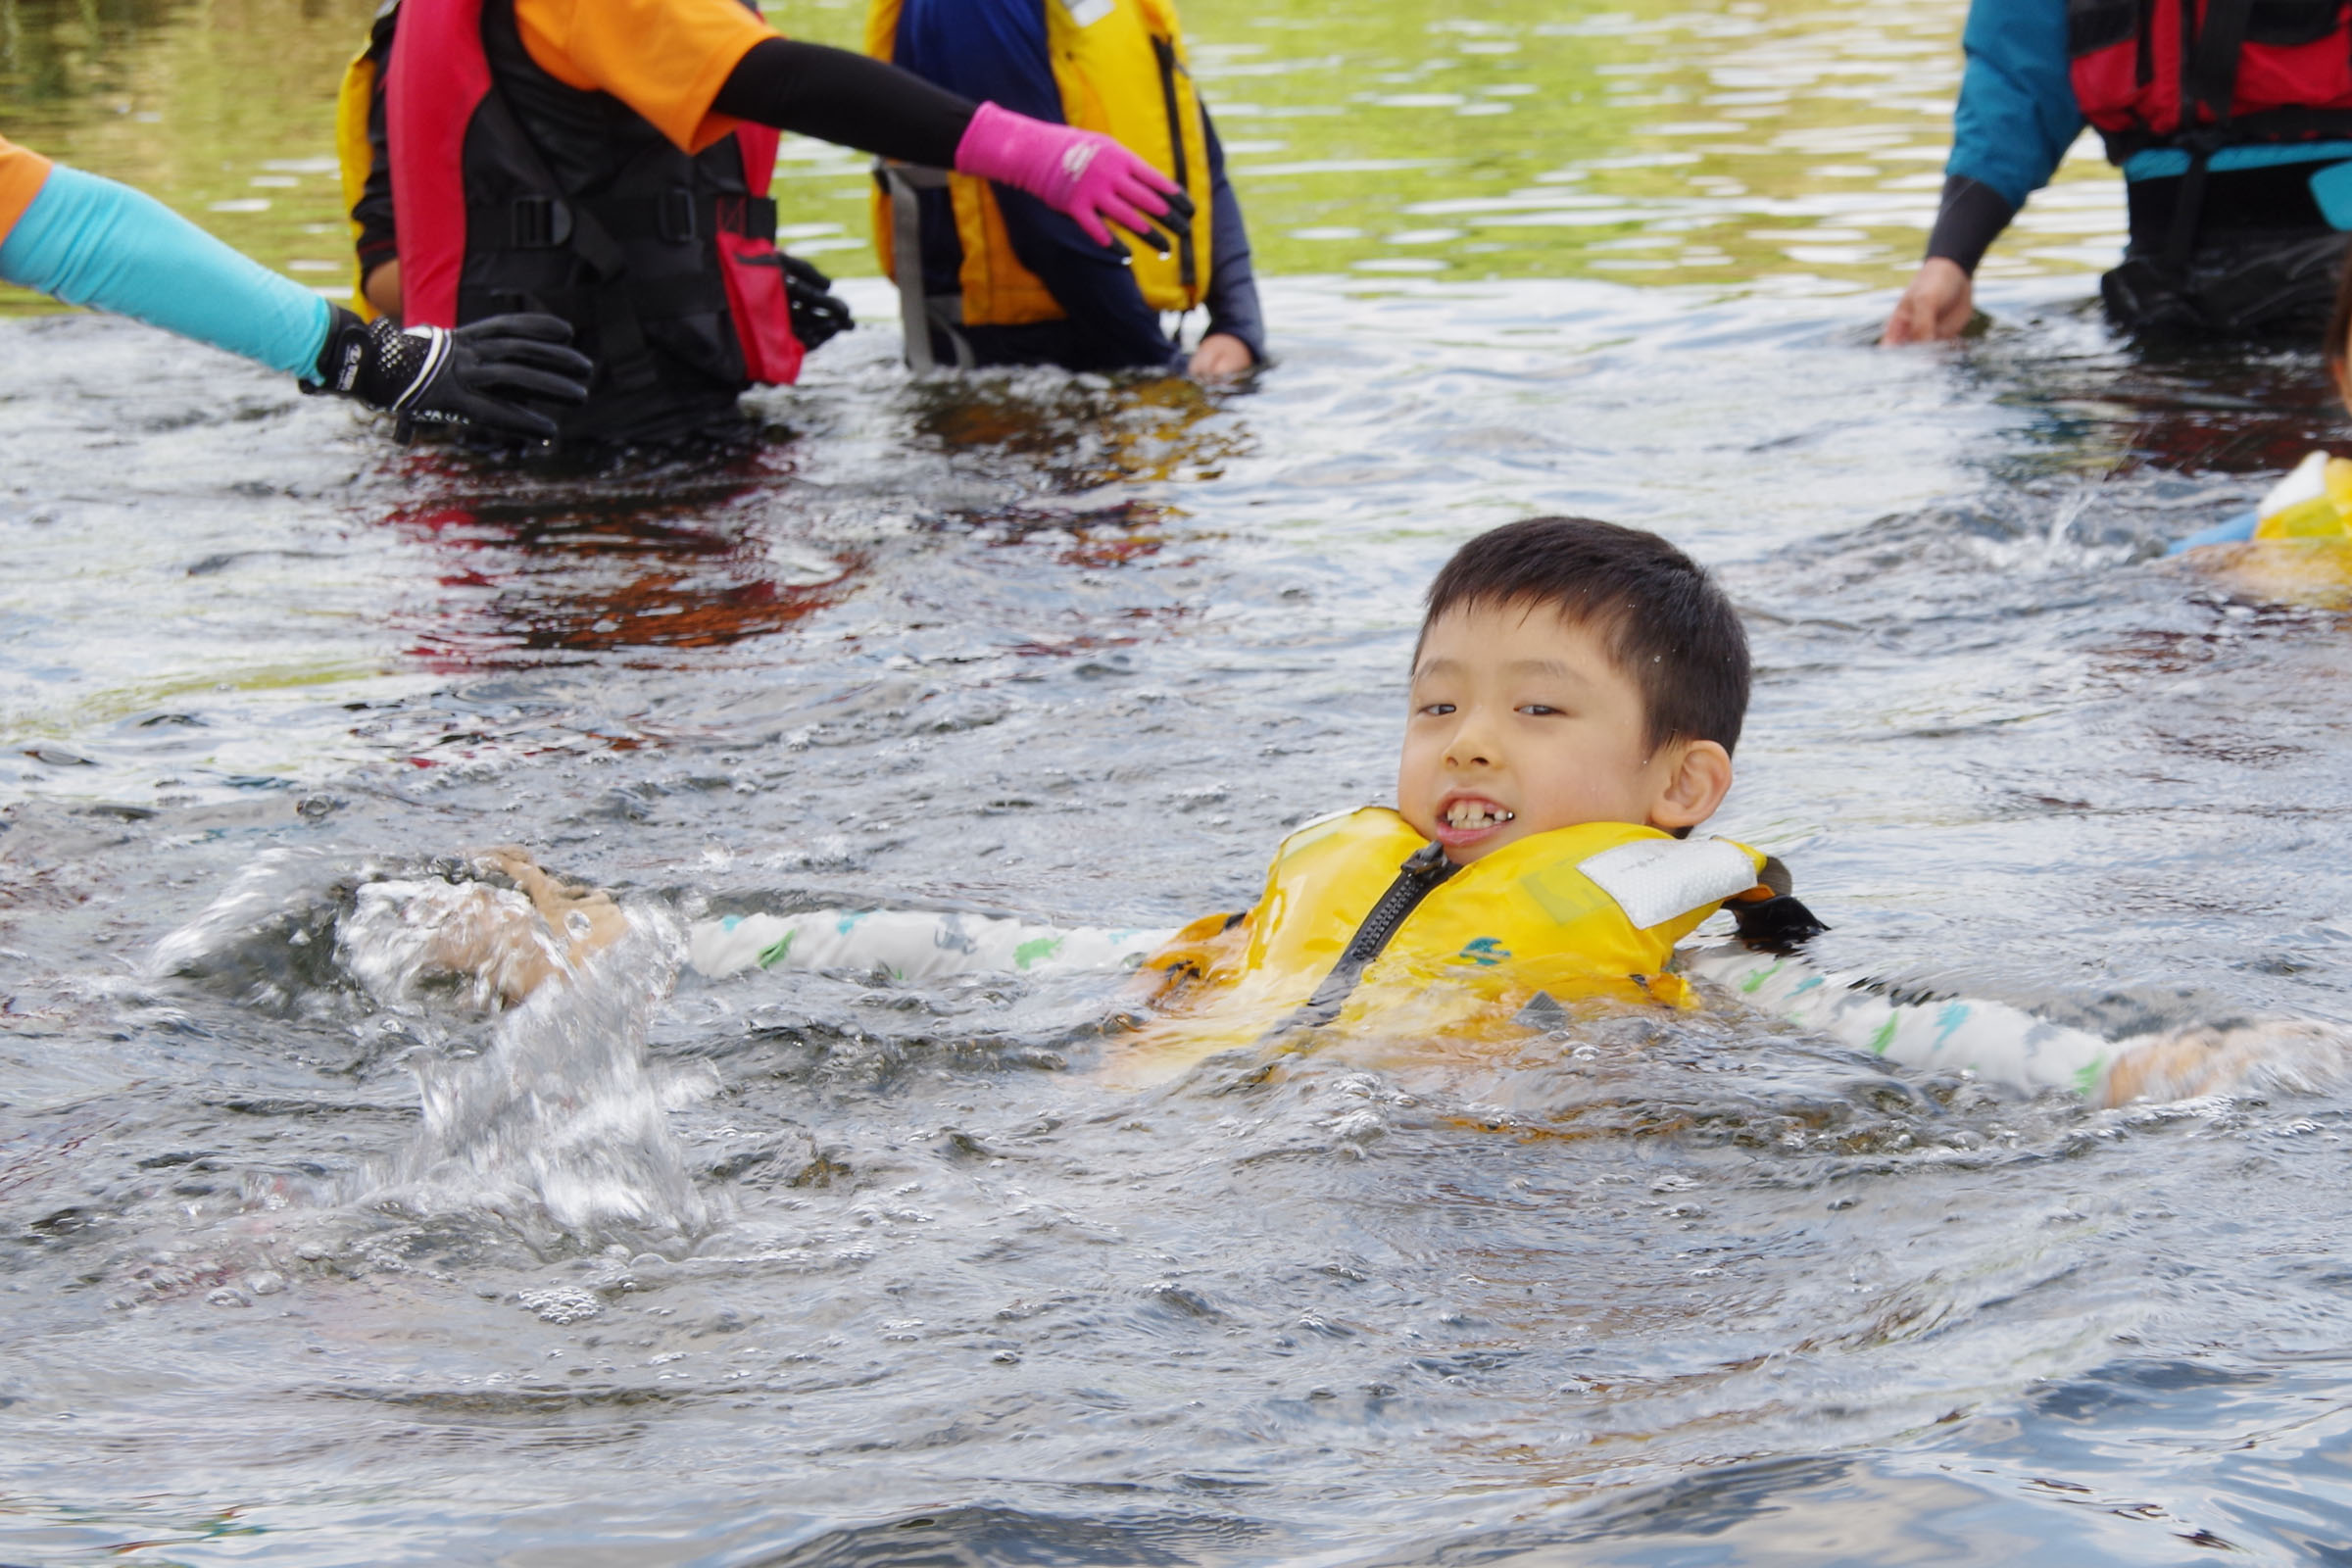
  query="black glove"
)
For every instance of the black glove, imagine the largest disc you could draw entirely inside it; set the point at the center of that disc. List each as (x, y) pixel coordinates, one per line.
(475, 375)
(816, 316)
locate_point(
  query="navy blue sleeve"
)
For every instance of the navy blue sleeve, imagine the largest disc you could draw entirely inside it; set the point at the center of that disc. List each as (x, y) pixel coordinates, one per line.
(1111, 325)
(1232, 281)
(2017, 113)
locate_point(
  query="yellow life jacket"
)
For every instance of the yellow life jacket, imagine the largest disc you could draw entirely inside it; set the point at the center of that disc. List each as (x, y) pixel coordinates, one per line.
(2300, 551)
(1121, 69)
(354, 156)
(2315, 502)
(1500, 946)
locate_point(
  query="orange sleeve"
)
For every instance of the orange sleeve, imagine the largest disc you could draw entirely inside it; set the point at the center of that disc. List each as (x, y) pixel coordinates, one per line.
(666, 59)
(23, 174)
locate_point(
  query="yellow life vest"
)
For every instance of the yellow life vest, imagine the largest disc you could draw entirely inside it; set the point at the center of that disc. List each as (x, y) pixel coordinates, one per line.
(2300, 551)
(2315, 502)
(354, 156)
(1121, 69)
(1592, 912)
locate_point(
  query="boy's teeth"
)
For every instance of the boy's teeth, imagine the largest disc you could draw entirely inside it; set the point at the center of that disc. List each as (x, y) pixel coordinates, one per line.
(1465, 815)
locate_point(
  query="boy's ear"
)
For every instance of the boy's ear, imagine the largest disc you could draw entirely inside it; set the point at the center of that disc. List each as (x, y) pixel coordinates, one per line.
(2340, 371)
(1698, 777)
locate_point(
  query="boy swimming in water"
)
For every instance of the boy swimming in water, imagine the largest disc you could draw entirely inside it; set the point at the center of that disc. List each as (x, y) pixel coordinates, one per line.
(1577, 692)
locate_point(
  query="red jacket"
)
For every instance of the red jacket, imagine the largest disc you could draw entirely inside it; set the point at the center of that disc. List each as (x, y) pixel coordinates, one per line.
(2147, 71)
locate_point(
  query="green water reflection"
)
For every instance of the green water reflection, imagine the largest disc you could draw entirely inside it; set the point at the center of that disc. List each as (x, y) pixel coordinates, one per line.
(1773, 143)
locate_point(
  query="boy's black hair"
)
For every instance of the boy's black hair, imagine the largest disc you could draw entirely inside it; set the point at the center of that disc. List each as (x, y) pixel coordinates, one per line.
(1667, 625)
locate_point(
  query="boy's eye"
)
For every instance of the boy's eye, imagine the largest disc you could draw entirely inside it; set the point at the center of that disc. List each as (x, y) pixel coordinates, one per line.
(1539, 709)
(1437, 709)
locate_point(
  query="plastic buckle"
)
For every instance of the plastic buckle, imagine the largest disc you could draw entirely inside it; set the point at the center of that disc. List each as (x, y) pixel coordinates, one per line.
(675, 222)
(537, 223)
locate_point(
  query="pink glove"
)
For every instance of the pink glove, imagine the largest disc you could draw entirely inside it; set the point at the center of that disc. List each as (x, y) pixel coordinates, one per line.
(1081, 173)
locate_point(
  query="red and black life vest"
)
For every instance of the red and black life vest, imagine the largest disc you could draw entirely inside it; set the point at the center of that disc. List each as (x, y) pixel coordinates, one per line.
(2208, 73)
(512, 191)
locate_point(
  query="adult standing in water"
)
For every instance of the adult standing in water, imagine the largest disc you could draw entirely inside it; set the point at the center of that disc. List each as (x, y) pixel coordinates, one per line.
(90, 241)
(2231, 121)
(990, 275)
(608, 161)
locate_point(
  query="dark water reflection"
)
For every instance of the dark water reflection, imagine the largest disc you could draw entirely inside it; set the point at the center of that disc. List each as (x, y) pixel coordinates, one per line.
(1669, 1294)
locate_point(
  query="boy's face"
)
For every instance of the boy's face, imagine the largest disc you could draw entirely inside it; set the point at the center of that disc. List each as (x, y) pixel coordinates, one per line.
(1521, 722)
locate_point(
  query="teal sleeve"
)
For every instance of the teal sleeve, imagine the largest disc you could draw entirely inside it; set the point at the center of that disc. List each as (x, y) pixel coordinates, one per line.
(2017, 113)
(90, 241)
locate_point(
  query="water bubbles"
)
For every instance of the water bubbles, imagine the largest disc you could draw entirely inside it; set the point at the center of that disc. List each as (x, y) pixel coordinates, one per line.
(560, 1305)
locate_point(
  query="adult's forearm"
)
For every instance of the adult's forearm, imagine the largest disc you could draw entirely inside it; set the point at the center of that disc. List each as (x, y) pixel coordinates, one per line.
(1233, 307)
(847, 98)
(90, 241)
(1971, 219)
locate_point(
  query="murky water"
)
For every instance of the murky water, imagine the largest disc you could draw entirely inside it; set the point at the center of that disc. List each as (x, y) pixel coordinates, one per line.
(837, 1271)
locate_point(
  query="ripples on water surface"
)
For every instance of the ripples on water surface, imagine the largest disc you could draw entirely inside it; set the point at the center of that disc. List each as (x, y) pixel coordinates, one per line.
(858, 1273)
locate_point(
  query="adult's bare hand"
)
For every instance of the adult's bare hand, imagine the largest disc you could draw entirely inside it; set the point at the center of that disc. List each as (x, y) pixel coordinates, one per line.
(1935, 308)
(1221, 355)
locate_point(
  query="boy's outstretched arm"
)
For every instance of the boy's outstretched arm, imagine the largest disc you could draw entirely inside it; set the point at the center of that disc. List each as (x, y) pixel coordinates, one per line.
(2007, 1045)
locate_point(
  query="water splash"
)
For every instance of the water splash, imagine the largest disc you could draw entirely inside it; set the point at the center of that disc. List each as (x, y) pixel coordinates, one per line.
(559, 1127)
(268, 940)
(551, 1119)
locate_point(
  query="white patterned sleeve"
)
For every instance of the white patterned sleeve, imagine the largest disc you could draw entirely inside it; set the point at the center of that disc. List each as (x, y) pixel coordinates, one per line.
(912, 944)
(1990, 1039)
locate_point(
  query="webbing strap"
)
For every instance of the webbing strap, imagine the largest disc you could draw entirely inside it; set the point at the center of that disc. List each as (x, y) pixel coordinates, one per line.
(2209, 80)
(2213, 73)
(918, 313)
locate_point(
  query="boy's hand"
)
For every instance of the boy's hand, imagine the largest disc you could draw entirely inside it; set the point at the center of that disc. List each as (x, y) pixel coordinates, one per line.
(2219, 1059)
(583, 920)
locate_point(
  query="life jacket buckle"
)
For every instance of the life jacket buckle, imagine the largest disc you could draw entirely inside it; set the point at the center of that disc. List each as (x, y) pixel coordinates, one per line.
(537, 223)
(752, 217)
(673, 217)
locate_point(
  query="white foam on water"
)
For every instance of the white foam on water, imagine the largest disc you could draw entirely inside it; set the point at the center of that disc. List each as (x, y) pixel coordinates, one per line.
(560, 1126)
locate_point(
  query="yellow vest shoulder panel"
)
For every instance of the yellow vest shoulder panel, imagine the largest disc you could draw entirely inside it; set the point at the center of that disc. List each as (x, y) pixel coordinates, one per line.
(354, 155)
(1121, 69)
(1546, 913)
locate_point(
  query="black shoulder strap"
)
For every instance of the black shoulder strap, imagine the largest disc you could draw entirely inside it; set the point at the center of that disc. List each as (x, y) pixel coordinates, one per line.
(2208, 79)
(621, 336)
(2212, 78)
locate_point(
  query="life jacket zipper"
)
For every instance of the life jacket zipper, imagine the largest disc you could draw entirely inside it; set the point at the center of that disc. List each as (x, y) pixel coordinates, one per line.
(1188, 267)
(1417, 879)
